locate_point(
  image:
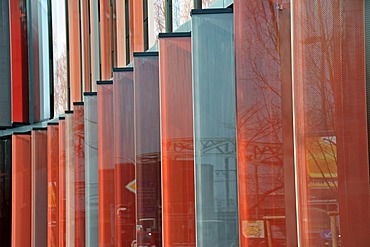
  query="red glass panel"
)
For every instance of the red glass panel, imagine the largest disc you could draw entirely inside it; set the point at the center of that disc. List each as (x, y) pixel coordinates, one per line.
(106, 164)
(79, 159)
(121, 34)
(332, 163)
(21, 190)
(39, 187)
(85, 26)
(124, 157)
(136, 27)
(19, 60)
(74, 50)
(147, 144)
(70, 179)
(265, 180)
(105, 40)
(177, 142)
(62, 183)
(53, 184)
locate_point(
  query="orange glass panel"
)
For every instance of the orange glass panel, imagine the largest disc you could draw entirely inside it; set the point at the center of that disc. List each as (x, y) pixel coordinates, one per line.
(136, 27)
(106, 164)
(95, 43)
(332, 162)
(85, 26)
(121, 34)
(21, 190)
(79, 172)
(74, 50)
(62, 182)
(124, 156)
(147, 149)
(105, 40)
(177, 141)
(260, 75)
(70, 179)
(53, 183)
(39, 187)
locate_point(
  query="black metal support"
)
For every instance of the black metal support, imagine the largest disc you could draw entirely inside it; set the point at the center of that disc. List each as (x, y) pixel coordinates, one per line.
(197, 4)
(145, 23)
(67, 53)
(169, 18)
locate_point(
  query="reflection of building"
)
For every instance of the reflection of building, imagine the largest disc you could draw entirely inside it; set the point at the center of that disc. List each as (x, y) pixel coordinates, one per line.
(247, 126)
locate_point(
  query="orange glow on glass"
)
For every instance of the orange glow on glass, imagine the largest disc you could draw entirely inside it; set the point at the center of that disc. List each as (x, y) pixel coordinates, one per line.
(53, 184)
(21, 190)
(177, 142)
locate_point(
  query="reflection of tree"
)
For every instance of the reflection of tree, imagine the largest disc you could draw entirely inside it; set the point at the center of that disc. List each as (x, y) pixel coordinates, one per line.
(60, 84)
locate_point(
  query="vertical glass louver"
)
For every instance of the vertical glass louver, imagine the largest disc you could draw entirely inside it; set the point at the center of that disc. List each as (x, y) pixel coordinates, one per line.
(147, 144)
(62, 182)
(214, 127)
(53, 183)
(331, 141)
(177, 139)
(265, 171)
(21, 190)
(106, 164)
(91, 169)
(79, 172)
(39, 189)
(124, 156)
(5, 189)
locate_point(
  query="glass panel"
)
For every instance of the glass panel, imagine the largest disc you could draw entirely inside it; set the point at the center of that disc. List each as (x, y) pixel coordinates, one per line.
(21, 190)
(59, 56)
(91, 169)
(214, 129)
(95, 43)
(106, 165)
(39, 187)
(62, 182)
(178, 191)
(5, 87)
(85, 43)
(332, 163)
(148, 166)
(79, 159)
(264, 174)
(105, 40)
(53, 184)
(136, 27)
(124, 157)
(19, 61)
(74, 51)
(5, 190)
(181, 12)
(39, 66)
(121, 33)
(70, 179)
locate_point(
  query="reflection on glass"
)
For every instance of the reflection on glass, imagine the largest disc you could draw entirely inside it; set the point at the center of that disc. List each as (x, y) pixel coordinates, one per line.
(147, 144)
(177, 142)
(21, 190)
(62, 182)
(214, 129)
(259, 124)
(5, 190)
(91, 168)
(331, 131)
(53, 183)
(124, 156)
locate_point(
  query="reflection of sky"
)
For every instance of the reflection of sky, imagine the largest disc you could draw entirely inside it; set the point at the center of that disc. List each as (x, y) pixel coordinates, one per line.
(59, 33)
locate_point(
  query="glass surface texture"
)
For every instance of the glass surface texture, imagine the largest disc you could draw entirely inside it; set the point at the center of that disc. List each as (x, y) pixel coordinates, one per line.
(79, 159)
(259, 78)
(39, 188)
(214, 129)
(106, 166)
(178, 191)
(70, 180)
(21, 190)
(124, 157)
(5, 75)
(5, 190)
(62, 183)
(91, 170)
(39, 66)
(53, 184)
(19, 60)
(147, 144)
(332, 163)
